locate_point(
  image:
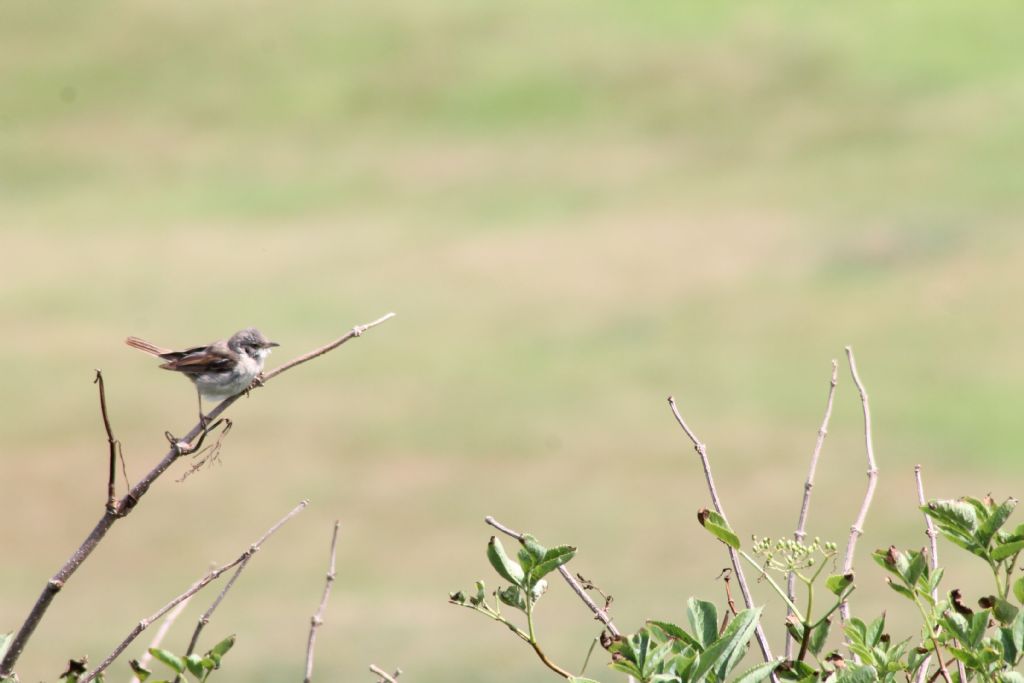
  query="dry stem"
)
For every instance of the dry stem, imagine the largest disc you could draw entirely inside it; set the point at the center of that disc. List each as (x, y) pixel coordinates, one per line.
(801, 524)
(318, 617)
(193, 589)
(384, 676)
(161, 632)
(858, 526)
(126, 504)
(734, 557)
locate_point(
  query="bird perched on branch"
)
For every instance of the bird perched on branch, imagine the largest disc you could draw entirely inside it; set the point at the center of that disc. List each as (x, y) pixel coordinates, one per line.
(219, 370)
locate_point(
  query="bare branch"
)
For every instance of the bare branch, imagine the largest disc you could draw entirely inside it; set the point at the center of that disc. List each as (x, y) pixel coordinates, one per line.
(934, 562)
(858, 526)
(318, 617)
(126, 504)
(734, 557)
(600, 614)
(193, 589)
(113, 444)
(205, 618)
(383, 675)
(161, 632)
(801, 524)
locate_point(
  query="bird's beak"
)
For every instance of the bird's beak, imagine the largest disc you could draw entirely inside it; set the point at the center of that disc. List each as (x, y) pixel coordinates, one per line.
(267, 345)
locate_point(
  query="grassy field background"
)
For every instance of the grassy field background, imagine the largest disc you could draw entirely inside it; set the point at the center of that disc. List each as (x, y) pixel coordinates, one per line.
(575, 208)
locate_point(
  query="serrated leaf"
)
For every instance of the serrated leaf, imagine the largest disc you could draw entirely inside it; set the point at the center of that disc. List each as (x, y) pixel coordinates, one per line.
(703, 617)
(997, 517)
(837, 583)
(857, 631)
(723, 654)
(917, 566)
(169, 658)
(1005, 550)
(719, 528)
(507, 568)
(757, 673)
(857, 674)
(673, 631)
(818, 636)
(552, 560)
(955, 514)
(874, 631)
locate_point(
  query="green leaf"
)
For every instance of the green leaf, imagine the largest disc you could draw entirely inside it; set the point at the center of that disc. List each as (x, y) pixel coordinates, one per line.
(757, 673)
(1011, 677)
(727, 651)
(873, 634)
(195, 665)
(141, 672)
(1005, 550)
(837, 583)
(1010, 651)
(857, 674)
(703, 618)
(509, 569)
(818, 636)
(916, 567)
(1017, 631)
(953, 514)
(673, 631)
(902, 590)
(856, 631)
(513, 597)
(719, 528)
(169, 658)
(997, 517)
(979, 622)
(552, 560)
(221, 648)
(1018, 589)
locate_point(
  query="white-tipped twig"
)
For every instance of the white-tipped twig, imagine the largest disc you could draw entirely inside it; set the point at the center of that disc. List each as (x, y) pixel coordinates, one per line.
(858, 526)
(734, 558)
(384, 676)
(125, 505)
(318, 617)
(599, 613)
(193, 589)
(933, 561)
(805, 505)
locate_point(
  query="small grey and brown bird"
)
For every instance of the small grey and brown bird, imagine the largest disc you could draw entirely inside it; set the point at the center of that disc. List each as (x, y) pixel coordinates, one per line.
(219, 370)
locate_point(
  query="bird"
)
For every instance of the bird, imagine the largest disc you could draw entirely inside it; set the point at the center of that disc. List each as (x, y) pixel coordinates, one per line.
(219, 370)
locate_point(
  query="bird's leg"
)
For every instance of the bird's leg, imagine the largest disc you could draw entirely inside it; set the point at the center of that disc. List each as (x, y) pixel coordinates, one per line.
(257, 382)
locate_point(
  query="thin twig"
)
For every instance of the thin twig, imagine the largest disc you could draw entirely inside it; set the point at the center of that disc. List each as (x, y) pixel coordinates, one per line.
(801, 523)
(161, 632)
(318, 617)
(934, 563)
(599, 613)
(193, 589)
(384, 676)
(205, 619)
(734, 557)
(858, 526)
(126, 504)
(113, 444)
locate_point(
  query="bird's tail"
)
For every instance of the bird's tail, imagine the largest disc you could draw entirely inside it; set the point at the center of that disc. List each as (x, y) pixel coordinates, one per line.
(143, 345)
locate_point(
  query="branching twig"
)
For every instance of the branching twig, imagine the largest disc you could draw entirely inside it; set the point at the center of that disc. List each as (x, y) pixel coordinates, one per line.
(934, 562)
(599, 613)
(383, 675)
(734, 558)
(113, 444)
(858, 526)
(205, 619)
(126, 504)
(195, 588)
(801, 524)
(318, 617)
(158, 638)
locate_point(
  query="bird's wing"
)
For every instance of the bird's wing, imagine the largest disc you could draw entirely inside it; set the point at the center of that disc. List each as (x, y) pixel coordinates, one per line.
(216, 357)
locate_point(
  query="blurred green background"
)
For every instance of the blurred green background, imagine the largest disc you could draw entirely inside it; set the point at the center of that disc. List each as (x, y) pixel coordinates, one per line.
(575, 208)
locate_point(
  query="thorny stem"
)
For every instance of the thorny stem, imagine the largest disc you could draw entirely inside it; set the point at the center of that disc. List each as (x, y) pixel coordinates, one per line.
(126, 504)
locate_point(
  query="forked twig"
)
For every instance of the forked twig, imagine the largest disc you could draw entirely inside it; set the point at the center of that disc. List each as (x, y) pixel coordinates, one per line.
(858, 526)
(161, 632)
(193, 589)
(805, 505)
(318, 617)
(113, 444)
(127, 503)
(600, 614)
